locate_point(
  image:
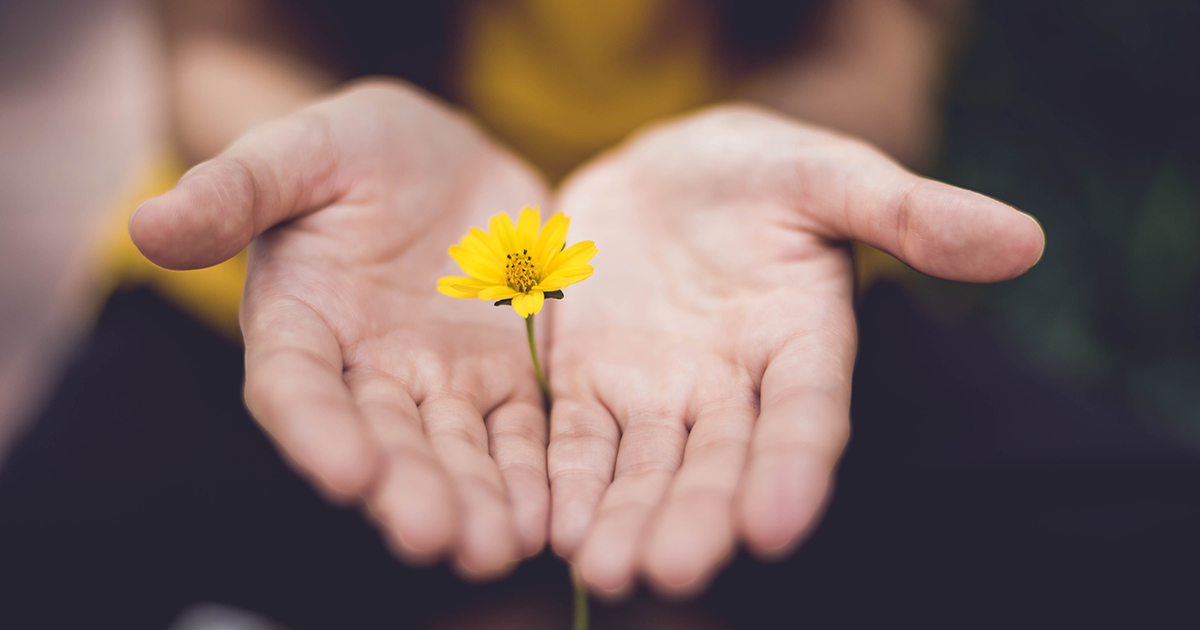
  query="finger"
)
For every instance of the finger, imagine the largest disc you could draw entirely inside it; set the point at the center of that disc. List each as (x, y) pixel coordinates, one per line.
(414, 500)
(273, 173)
(580, 460)
(487, 545)
(294, 388)
(650, 452)
(517, 433)
(938, 229)
(693, 533)
(801, 431)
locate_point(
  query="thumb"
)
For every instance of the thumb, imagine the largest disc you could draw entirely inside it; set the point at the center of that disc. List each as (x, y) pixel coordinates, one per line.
(936, 228)
(275, 172)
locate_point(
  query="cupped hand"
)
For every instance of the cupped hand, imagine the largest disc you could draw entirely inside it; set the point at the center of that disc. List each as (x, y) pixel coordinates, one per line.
(376, 387)
(701, 377)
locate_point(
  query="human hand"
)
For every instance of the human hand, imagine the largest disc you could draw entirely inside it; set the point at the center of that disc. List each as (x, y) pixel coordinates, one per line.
(377, 388)
(701, 378)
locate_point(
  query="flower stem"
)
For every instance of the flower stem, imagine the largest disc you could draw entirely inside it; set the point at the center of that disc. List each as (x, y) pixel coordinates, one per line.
(537, 365)
(581, 600)
(580, 594)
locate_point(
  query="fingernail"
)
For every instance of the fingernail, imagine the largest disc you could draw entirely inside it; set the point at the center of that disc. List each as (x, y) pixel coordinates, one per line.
(129, 224)
(1043, 232)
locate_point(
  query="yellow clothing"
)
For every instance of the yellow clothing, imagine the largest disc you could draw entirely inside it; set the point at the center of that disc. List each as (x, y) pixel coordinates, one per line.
(558, 80)
(211, 295)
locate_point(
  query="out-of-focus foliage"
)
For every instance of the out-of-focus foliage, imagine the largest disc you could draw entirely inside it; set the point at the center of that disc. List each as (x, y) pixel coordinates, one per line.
(1086, 114)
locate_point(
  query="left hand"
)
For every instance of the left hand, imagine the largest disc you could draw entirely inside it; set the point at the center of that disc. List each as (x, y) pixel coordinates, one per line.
(701, 378)
(424, 410)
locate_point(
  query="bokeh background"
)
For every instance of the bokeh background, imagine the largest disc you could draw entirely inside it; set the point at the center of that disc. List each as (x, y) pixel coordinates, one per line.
(1027, 452)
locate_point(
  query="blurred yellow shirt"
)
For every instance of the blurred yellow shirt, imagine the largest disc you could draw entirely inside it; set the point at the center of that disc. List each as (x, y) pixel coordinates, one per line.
(557, 80)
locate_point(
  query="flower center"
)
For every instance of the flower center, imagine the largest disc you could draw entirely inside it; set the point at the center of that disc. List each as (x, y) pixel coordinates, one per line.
(519, 272)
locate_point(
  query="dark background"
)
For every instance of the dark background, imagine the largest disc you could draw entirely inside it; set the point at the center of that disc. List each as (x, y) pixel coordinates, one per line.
(1023, 454)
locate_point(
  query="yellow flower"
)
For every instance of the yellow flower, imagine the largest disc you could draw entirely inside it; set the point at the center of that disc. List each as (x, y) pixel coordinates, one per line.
(521, 263)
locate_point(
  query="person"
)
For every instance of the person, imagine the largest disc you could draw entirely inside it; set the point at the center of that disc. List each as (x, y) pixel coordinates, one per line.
(722, 235)
(701, 380)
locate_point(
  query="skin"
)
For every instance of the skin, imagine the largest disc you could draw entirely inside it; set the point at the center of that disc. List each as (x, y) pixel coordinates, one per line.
(702, 376)
(423, 409)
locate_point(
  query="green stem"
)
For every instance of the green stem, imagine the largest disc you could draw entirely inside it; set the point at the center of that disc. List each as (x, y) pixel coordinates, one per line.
(537, 365)
(581, 600)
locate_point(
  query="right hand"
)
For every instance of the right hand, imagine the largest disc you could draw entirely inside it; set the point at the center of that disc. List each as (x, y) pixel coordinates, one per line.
(380, 390)
(701, 377)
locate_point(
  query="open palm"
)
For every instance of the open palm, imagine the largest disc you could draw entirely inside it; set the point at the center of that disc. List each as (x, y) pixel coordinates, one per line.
(423, 408)
(701, 378)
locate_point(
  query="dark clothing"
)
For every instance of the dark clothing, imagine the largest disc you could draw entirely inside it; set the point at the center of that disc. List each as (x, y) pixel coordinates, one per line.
(1026, 464)
(146, 487)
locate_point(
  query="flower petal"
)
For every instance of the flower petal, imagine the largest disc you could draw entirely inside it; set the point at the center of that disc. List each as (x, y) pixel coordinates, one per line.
(505, 233)
(481, 246)
(465, 281)
(553, 283)
(498, 293)
(527, 229)
(551, 240)
(490, 240)
(528, 303)
(571, 275)
(462, 286)
(578, 254)
(456, 293)
(476, 265)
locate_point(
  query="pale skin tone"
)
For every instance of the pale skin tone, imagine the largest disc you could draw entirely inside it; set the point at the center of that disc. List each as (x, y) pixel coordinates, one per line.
(701, 378)
(422, 408)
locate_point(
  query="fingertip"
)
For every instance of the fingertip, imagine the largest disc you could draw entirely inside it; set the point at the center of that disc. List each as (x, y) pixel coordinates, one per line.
(780, 505)
(565, 534)
(484, 556)
(677, 587)
(412, 505)
(572, 510)
(487, 546)
(607, 566)
(1034, 241)
(612, 597)
(962, 235)
(580, 459)
(133, 215)
(407, 553)
(1017, 243)
(200, 222)
(686, 548)
(602, 581)
(572, 506)
(518, 446)
(478, 573)
(348, 476)
(676, 578)
(532, 518)
(343, 467)
(148, 232)
(337, 456)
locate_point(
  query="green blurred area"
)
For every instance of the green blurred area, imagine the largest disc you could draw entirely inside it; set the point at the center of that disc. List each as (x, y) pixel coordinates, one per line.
(1086, 114)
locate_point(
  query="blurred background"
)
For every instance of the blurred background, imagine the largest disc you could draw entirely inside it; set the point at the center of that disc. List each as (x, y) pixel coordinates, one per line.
(1027, 452)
